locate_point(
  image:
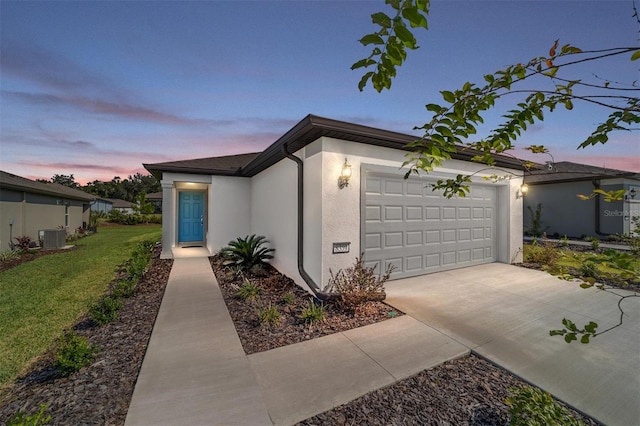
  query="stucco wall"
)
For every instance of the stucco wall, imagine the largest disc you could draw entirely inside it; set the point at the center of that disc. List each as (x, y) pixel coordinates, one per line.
(229, 210)
(274, 213)
(562, 211)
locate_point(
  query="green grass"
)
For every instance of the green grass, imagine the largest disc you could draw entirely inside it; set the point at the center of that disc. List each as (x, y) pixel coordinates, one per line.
(39, 299)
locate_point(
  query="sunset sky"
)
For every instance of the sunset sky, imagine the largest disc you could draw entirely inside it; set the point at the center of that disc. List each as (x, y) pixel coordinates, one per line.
(95, 89)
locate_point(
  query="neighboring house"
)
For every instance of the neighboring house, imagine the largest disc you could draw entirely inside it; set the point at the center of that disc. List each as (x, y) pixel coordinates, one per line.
(102, 205)
(290, 193)
(155, 198)
(123, 205)
(556, 188)
(27, 206)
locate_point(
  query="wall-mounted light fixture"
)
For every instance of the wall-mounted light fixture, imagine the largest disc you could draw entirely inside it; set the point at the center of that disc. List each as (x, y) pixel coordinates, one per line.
(632, 194)
(345, 175)
(522, 191)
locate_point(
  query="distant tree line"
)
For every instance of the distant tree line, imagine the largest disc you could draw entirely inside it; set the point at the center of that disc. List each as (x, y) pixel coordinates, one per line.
(128, 189)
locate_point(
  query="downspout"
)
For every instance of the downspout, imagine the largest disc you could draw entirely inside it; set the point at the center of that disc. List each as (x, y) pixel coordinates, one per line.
(317, 292)
(596, 185)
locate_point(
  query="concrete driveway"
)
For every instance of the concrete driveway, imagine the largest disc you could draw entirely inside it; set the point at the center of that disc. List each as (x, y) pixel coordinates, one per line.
(505, 312)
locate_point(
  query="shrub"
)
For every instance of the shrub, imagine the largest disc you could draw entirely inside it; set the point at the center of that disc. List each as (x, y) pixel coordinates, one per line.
(37, 419)
(535, 228)
(313, 313)
(248, 291)
(545, 255)
(269, 315)
(124, 288)
(247, 252)
(75, 352)
(534, 407)
(24, 242)
(105, 310)
(359, 284)
(288, 298)
(588, 269)
(595, 244)
(9, 255)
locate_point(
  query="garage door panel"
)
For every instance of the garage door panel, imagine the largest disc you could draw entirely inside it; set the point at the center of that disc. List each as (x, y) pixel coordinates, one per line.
(418, 231)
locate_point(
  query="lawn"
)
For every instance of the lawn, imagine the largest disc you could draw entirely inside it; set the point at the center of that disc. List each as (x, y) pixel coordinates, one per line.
(39, 299)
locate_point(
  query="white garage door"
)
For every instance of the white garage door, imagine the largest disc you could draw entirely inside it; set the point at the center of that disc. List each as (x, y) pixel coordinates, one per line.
(406, 224)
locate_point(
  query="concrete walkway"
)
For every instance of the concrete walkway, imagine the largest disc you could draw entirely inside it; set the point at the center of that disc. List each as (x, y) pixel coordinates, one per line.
(195, 370)
(505, 312)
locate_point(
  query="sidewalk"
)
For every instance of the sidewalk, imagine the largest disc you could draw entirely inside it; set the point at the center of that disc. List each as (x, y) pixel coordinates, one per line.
(196, 372)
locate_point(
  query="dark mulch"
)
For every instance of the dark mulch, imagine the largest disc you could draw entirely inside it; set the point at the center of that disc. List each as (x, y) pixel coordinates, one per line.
(100, 393)
(466, 391)
(28, 256)
(256, 337)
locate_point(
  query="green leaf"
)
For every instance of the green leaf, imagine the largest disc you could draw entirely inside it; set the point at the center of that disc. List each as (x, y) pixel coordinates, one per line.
(591, 327)
(570, 337)
(636, 55)
(585, 339)
(363, 63)
(569, 324)
(557, 332)
(434, 108)
(405, 36)
(381, 19)
(371, 39)
(415, 18)
(448, 96)
(363, 81)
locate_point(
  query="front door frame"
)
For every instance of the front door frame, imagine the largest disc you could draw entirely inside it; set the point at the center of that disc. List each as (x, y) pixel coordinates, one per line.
(202, 243)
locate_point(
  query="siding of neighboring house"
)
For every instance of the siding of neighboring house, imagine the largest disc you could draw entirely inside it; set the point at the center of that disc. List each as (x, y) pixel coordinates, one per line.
(102, 206)
(33, 212)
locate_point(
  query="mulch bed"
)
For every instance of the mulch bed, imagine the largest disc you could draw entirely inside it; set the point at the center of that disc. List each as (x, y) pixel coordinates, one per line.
(100, 393)
(466, 391)
(256, 337)
(30, 255)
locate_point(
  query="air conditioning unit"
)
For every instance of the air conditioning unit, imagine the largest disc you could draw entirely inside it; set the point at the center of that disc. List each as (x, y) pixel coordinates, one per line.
(52, 238)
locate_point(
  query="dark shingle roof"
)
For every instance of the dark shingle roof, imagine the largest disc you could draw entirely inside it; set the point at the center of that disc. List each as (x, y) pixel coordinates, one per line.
(566, 171)
(306, 131)
(18, 183)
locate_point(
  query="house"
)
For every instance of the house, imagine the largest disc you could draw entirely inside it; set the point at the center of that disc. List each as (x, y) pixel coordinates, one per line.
(556, 189)
(124, 206)
(298, 194)
(102, 205)
(155, 198)
(27, 206)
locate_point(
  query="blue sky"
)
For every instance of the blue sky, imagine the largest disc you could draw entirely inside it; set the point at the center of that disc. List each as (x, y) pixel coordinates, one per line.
(95, 89)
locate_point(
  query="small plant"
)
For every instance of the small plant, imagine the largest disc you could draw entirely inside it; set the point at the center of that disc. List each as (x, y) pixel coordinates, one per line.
(288, 298)
(595, 244)
(37, 419)
(105, 310)
(588, 269)
(269, 315)
(124, 288)
(247, 252)
(75, 352)
(564, 241)
(545, 254)
(359, 284)
(24, 242)
(313, 313)
(9, 255)
(535, 228)
(248, 290)
(533, 407)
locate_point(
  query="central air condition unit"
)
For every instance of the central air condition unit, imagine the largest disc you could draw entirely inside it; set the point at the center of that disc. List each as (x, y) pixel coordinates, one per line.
(52, 238)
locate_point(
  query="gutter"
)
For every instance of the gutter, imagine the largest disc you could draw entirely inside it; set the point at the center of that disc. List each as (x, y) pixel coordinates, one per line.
(317, 292)
(596, 185)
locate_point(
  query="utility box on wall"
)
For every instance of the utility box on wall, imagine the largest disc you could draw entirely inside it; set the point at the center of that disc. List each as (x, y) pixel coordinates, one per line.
(52, 238)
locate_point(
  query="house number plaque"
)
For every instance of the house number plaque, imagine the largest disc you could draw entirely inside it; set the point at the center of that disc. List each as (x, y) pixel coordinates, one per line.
(341, 247)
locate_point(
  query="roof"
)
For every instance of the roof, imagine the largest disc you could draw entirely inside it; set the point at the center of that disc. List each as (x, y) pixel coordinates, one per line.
(308, 130)
(566, 171)
(154, 196)
(18, 183)
(121, 204)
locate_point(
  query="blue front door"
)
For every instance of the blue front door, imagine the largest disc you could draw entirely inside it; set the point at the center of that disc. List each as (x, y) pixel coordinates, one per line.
(191, 217)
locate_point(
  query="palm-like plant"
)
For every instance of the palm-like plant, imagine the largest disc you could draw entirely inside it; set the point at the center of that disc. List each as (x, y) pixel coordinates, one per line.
(247, 252)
